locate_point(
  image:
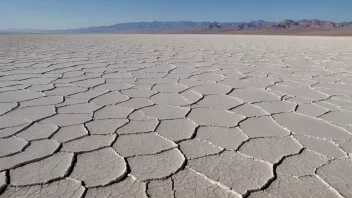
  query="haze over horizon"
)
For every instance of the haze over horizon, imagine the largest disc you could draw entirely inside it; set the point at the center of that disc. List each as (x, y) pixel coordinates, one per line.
(65, 14)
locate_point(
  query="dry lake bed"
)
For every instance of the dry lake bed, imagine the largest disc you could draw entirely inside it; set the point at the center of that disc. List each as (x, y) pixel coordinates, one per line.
(162, 116)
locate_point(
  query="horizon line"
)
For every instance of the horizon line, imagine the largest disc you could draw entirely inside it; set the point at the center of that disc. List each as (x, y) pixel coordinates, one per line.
(39, 29)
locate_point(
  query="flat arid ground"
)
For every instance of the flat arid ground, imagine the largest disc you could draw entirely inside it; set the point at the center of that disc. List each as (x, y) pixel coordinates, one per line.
(175, 116)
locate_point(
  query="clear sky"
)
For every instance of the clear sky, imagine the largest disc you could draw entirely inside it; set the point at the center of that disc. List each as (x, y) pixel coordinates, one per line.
(62, 14)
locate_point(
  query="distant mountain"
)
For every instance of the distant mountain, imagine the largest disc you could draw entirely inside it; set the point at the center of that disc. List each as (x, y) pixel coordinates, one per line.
(305, 23)
(200, 27)
(288, 26)
(256, 24)
(137, 27)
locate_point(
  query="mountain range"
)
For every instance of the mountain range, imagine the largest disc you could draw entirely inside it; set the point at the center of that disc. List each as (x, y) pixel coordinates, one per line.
(206, 27)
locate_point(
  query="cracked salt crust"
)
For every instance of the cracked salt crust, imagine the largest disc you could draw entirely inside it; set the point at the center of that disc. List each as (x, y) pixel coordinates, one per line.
(175, 116)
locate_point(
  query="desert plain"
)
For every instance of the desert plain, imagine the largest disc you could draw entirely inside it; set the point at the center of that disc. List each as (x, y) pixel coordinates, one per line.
(161, 116)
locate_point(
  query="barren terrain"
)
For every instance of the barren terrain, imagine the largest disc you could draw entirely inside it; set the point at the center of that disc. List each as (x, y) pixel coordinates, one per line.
(161, 116)
(283, 32)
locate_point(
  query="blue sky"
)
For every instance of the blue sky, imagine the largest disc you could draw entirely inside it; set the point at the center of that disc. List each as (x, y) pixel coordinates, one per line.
(61, 14)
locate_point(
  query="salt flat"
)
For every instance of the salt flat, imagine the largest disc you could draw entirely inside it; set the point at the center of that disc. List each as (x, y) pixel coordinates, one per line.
(175, 116)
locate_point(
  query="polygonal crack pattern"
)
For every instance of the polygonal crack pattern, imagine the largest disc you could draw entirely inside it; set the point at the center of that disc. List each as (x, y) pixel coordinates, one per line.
(243, 174)
(175, 116)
